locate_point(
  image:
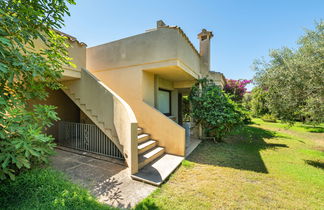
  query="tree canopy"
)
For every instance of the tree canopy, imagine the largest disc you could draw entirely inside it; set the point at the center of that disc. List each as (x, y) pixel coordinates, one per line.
(26, 72)
(294, 78)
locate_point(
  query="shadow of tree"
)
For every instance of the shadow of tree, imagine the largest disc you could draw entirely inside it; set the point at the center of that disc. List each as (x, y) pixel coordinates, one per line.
(314, 129)
(317, 163)
(108, 191)
(240, 150)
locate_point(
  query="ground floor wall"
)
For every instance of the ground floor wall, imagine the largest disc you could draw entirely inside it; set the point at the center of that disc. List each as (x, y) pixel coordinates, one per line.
(138, 89)
(65, 108)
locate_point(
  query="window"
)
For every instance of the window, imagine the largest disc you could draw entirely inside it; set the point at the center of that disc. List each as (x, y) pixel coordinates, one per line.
(164, 101)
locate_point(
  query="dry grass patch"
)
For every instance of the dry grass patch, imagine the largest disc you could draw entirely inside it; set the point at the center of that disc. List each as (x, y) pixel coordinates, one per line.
(253, 168)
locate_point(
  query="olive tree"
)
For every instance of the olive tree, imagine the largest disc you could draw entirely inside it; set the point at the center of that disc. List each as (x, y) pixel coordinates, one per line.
(293, 79)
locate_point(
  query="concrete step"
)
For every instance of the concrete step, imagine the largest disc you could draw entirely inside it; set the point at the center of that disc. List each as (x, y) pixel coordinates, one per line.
(143, 137)
(146, 145)
(149, 156)
(139, 131)
(159, 170)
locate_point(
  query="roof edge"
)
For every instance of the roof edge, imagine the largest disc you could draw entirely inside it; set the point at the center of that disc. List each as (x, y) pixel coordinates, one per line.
(71, 38)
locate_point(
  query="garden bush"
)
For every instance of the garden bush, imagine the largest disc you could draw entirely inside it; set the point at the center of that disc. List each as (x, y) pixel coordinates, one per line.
(213, 109)
(236, 88)
(269, 118)
(22, 141)
(45, 188)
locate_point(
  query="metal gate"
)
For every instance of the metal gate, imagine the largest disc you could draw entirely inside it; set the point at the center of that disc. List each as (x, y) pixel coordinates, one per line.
(88, 138)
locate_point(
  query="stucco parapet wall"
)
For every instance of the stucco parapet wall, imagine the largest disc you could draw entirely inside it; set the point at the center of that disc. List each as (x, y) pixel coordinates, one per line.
(146, 48)
(184, 36)
(219, 76)
(71, 73)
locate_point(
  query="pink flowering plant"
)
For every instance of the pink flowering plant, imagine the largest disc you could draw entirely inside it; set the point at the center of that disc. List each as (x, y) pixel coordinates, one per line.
(236, 88)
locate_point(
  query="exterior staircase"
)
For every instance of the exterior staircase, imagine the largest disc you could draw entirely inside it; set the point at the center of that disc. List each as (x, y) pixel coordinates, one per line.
(147, 160)
(92, 114)
(153, 163)
(106, 109)
(148, 149)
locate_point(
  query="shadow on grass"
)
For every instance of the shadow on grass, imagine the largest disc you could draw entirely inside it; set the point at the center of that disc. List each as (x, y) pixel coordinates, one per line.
(240, 150)
(317, 164)
(313, 129)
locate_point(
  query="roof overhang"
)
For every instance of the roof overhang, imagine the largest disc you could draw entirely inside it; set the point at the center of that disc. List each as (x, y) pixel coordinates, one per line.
(173, 70)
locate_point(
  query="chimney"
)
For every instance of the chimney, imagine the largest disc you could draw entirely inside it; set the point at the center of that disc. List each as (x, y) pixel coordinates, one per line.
(160, 24)
(204, 49)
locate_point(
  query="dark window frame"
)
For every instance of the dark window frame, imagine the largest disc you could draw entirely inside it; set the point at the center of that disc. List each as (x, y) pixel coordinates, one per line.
(169, 91)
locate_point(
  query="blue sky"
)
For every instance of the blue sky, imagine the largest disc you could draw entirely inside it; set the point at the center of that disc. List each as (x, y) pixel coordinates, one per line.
(243, 30)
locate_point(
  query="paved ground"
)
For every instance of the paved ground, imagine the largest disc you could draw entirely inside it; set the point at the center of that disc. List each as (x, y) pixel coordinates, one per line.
(109, 182)
(194, 142)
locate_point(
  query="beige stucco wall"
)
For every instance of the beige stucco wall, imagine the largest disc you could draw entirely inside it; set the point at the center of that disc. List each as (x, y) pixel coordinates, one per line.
(136, 67)
(148, 88)
(77, 52)
(66, 109)
(155, 46)
(136, 87)
(108, 111)
(218, 78)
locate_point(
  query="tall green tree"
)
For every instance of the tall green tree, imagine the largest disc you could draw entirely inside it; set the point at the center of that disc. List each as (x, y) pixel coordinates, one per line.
(26, 72)
(294, 79)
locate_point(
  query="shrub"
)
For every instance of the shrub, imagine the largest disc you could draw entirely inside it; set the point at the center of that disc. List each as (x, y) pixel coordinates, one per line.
(44, 188)
(185, 109)
(213, 109)
(22, 140)
(246, 101)
(146, 204)
(269, 118)
(236, 88)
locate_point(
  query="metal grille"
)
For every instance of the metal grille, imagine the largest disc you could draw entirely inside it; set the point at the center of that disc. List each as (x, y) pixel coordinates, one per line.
(88, 138)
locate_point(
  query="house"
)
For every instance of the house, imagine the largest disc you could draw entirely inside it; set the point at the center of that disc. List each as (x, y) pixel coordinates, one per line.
(124, 97)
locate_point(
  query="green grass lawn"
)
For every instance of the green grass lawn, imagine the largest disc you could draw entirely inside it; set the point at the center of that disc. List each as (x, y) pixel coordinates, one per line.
(45, 188)
(263, 165)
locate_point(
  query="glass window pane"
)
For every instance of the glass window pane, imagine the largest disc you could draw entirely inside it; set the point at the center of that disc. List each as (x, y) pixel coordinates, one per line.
(164, 101)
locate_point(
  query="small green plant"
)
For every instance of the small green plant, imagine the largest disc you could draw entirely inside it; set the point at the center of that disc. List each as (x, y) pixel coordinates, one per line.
(187, 164)
(147, 204)
(269, 118)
